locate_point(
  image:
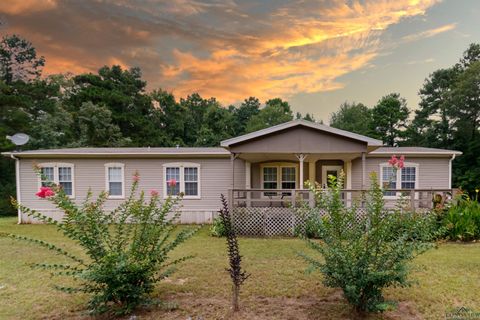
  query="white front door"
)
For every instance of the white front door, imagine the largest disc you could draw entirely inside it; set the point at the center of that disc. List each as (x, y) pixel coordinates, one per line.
(329, 171)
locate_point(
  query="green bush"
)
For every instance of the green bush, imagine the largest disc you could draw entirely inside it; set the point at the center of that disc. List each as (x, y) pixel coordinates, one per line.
(218, 228)
(312, 226)
(462, 219)
(127, 250)
(364, 254)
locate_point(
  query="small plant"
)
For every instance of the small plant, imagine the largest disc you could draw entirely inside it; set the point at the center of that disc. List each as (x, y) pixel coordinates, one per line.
(235, 259)
(218, 228)
(363, 254)
(126, 251)
(462, 219)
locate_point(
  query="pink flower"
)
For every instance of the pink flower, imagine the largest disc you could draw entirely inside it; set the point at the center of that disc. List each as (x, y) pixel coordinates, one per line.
(401, 162)
(154, 193)
(393, 161)
(45, 192)
(397, 163)
(136, 177)
(172, 183)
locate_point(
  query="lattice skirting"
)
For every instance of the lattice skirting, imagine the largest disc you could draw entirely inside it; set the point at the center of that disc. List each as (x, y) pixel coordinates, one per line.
(274, 221)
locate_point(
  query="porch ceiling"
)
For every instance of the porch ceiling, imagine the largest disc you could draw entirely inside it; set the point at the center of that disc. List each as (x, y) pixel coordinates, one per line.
(265, 157)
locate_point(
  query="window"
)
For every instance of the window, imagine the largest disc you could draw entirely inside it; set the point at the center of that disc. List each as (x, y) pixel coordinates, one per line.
(406, 178)
(173, 173)
(47, 175)
(187, 177)
(409, 177)
(288, 178)
(389, 180)
(279, 177)
(60, 174)
(65, 179)
(191, 181)
(115, 180)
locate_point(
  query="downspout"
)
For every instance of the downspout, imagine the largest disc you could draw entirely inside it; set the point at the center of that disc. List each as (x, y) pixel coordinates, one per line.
(17, 182)
(450, 171)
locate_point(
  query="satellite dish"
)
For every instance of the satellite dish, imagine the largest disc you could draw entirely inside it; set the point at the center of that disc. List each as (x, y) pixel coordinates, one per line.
(19, 139)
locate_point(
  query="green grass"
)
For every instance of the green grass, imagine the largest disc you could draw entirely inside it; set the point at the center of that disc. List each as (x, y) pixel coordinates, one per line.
(279, 287)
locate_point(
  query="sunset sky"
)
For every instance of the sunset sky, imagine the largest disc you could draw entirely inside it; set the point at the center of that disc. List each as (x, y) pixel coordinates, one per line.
(315, 54)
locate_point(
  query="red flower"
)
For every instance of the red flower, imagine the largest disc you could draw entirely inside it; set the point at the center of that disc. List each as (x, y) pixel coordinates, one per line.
(154, 193)
(172, 183)
(45, 192)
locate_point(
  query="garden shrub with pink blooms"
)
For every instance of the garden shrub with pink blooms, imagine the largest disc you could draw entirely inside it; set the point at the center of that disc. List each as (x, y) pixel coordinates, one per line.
(127, 249)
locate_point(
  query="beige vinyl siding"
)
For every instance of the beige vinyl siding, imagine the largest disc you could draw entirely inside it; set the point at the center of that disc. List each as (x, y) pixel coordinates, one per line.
(215, 178)
(432, 172)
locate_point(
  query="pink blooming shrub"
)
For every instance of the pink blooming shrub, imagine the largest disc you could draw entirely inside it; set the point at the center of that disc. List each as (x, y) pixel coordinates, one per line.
(154, 193)
(172, 183)
(45, 192)
(136, 177)
(397, 163)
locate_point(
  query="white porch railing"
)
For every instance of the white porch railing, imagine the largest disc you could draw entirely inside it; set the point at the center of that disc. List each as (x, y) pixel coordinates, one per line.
(286, 198)
(267, 212)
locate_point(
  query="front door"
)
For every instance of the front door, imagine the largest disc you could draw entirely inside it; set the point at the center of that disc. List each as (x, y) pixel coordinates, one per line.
(329, 171)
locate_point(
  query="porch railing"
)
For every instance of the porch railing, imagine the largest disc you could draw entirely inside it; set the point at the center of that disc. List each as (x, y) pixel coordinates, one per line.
(415, 198)
(267, 212)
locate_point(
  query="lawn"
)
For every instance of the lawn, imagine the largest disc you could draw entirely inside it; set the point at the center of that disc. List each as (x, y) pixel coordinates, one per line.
(279, 287)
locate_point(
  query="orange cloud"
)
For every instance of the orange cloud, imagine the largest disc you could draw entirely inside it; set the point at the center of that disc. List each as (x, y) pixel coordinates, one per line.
(24, 6)
(429, 33)
(227, 49)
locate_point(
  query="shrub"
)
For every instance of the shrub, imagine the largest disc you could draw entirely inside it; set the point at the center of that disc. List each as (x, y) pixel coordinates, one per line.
(127, 250)
(218, 228)
(364, 254)
(462, 219)
(237, 275)
(312, 226)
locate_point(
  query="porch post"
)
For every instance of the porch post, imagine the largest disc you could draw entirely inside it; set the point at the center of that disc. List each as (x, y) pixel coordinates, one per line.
(311, 171)
(364, 179)
(248, 181)
(301, 157)
(348, 173)
(231, 194)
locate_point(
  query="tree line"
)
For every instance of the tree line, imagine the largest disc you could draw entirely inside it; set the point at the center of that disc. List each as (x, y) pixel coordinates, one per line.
(112, 108)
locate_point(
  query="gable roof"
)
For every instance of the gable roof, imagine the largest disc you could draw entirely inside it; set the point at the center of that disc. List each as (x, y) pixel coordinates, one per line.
(294, 123)
(414, 151)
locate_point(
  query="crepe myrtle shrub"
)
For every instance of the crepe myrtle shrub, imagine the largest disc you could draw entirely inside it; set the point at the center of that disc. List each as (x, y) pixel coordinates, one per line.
(363, 254)
(237, 275)
(125, 251)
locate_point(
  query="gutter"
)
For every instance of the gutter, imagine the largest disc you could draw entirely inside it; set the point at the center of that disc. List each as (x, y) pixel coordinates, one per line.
(17, 183)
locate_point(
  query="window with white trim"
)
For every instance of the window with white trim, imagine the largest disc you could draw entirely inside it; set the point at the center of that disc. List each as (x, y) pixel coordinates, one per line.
(405, 178)
(115, 180)
(58, 173)
(187, 178)
(389, 180)
(278, 177)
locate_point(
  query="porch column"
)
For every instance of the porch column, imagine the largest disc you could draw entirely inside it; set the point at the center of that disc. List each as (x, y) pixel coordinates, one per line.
(248, 181)
(364, 177)
(233, 156)
(348, 173)
(311, 171)
(301, 157)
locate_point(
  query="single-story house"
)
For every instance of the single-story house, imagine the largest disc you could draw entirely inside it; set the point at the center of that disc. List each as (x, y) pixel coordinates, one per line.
(263, 168)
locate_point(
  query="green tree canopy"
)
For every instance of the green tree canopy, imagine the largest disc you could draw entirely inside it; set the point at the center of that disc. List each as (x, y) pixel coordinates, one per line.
(389, 119)
(276, 111)
(18, 60)
(353, 117)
